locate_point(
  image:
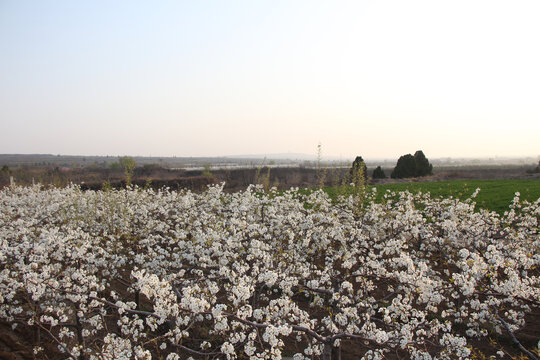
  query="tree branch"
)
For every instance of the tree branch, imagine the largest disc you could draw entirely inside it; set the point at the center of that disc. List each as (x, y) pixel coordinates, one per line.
(515, 340)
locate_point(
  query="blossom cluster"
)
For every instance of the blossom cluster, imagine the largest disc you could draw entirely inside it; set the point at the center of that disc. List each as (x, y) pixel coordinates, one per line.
(141, 274)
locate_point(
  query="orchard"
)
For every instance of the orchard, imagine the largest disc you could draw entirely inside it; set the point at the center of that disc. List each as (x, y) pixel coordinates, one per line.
(141, 274)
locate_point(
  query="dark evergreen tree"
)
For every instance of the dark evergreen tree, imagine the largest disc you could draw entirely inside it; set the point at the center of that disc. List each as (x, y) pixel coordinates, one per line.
(423, 167)
(535, 170)
(405, 167)
(378, 173)
(412, 166)
(358, 172)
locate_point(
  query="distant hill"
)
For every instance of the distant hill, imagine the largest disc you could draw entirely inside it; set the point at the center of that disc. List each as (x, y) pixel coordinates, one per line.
(253, 160)
(289, 156)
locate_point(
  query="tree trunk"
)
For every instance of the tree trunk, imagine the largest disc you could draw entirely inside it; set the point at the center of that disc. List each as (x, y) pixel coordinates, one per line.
(331, 352)
(137, 299)
(80, 339)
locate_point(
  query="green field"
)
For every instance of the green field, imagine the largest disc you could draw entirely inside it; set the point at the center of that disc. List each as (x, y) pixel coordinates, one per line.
(494, 195)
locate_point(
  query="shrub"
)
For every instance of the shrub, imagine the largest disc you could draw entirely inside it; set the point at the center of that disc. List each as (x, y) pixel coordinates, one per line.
(358, 172)
(405, 167)
(412, 166)
(128, 165)
(378, 173)
(423, 167)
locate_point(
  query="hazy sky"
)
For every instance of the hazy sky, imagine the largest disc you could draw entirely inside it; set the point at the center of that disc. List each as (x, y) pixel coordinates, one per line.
(202, 78)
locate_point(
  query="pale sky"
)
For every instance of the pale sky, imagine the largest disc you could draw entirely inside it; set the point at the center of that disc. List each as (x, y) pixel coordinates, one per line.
(209, 78)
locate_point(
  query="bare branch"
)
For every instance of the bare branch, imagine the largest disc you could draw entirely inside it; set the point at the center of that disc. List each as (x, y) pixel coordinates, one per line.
(183, 347)
(515, 340)
(56, 340)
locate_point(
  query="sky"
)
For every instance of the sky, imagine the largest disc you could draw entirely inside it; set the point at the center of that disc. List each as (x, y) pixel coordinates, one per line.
(212, 78)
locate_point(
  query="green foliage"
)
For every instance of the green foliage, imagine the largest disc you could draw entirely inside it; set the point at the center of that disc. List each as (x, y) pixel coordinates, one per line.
(405, 167)
(412, 166)
(494, 195)
(358, 172)
(115, 166)
(263, 178)
(206, 170)
(423, 167)
(148, 184)
(106, 186)
(128, 164)
(378, 173)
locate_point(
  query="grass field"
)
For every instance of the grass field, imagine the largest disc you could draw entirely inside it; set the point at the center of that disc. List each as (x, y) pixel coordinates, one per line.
(494, 195)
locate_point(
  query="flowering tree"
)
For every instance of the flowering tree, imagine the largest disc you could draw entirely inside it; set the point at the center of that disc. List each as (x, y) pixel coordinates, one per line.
(358, 172)
(134, 273)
